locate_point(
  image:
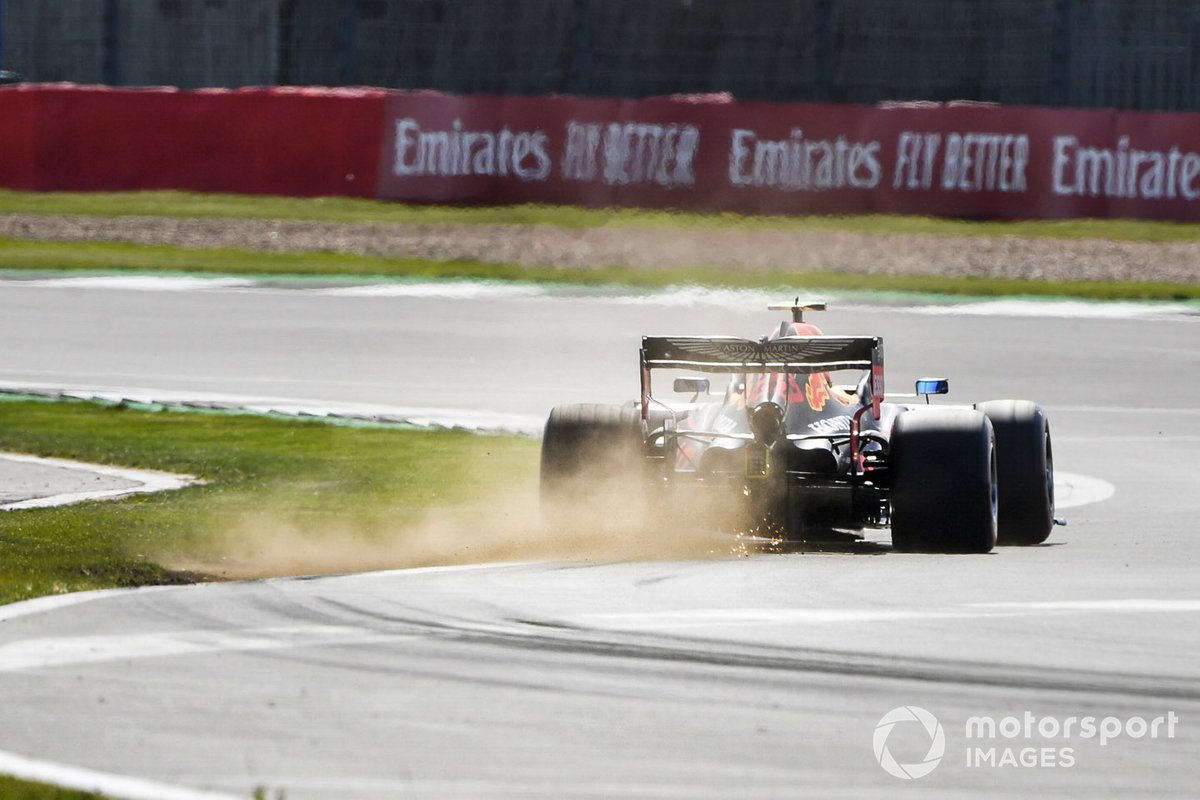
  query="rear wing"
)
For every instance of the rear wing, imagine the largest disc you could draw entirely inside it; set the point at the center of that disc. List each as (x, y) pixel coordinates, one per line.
(790, 354)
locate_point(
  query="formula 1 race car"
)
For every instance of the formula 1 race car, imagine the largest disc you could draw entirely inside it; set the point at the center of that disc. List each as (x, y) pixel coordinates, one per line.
(785, 452)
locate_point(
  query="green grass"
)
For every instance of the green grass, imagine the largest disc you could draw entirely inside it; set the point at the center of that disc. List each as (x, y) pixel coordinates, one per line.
(53, 257)
(17, 789)
(339, 209)
(303, 485)
(19, 254)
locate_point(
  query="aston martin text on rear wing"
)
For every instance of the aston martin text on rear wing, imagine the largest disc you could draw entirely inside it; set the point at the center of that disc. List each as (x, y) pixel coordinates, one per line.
(790, 354)
(793, 354)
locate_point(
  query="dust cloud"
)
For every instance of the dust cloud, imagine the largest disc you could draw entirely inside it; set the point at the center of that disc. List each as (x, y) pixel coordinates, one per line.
(610, 521)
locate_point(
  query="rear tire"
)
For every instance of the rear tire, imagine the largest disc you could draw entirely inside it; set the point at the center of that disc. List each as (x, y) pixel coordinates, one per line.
(944, 481)
(590, 447)
(1026, 465)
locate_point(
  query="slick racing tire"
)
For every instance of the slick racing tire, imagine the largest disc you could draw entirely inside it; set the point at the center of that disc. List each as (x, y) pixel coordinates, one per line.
(944, 481)
(1026, 463)
(590, 448)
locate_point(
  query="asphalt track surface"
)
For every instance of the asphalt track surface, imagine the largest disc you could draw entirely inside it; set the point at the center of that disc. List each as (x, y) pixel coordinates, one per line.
(741, 677)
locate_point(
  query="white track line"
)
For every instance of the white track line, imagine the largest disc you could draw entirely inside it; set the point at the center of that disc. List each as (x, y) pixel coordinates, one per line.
(134, 283)
(146, 481)
(1060, 309)
(671, 296)
(106, 783)
(421, 417)
(708, 617)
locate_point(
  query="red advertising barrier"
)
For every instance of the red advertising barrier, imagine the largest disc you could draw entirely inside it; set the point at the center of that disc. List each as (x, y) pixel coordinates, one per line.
(956, 161)
(253, 141)
(690, 152)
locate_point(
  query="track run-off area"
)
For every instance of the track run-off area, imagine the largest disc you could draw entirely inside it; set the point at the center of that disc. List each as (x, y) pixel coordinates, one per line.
(773, 675)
